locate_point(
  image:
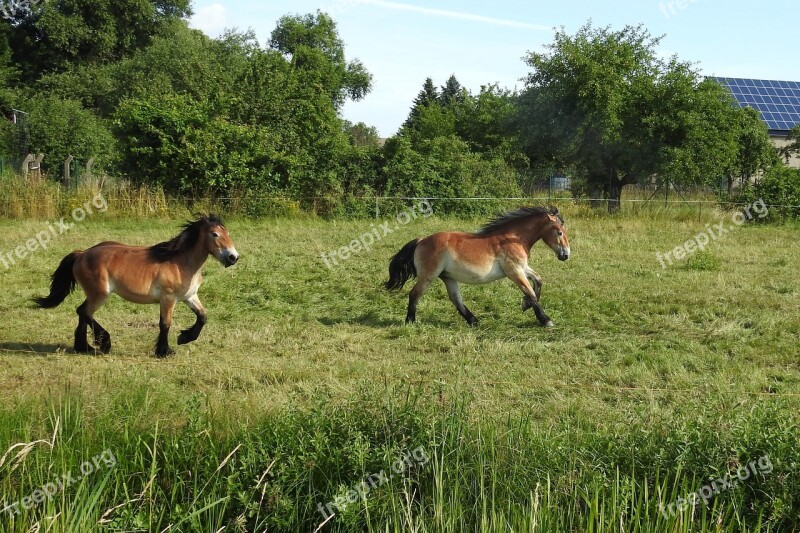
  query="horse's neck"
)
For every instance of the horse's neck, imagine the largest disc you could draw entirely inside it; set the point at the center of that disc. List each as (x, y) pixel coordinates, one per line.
(528, 232)
(195, 258)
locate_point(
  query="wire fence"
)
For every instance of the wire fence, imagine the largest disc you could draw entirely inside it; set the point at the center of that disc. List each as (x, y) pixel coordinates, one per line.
(21, 199)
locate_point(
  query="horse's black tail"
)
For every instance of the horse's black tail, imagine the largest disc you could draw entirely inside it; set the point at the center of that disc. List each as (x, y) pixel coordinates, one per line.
(63, 283)
(402, 268)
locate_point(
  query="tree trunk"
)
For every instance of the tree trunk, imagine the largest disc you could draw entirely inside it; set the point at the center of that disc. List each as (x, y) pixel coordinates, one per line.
(595, 195)
(614, 196)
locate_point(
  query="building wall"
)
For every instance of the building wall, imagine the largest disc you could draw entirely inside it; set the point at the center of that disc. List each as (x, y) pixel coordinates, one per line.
(780, 142)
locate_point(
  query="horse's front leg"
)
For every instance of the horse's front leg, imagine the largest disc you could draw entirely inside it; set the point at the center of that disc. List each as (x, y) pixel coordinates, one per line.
(519, 277)
(191, 334)
(164, 323)
(536, 279)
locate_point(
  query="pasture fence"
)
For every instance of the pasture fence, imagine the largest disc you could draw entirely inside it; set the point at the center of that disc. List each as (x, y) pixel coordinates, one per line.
(44, 198)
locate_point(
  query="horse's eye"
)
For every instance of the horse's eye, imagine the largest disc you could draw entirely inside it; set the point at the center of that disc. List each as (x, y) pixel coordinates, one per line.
(215, 235)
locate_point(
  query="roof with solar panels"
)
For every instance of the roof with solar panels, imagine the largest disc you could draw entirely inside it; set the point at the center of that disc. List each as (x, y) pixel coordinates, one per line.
(778, 102)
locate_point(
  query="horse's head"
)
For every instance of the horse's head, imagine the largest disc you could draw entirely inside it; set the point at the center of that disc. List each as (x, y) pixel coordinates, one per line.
(218, 242)
(555, 236)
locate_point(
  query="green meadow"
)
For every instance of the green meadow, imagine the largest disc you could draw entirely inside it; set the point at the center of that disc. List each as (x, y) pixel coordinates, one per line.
(655, 384)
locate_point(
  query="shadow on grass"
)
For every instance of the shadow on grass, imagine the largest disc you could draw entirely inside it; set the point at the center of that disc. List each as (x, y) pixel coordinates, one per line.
(377, 321)
(31, 348)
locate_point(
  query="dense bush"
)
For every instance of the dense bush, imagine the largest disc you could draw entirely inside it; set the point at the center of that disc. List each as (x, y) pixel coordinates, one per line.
(780, 186)
(60, 128)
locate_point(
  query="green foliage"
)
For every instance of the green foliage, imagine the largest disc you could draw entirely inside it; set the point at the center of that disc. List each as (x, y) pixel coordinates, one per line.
(793, 147)
(56, 36)
(604, 102)
(427, 97)
(313, 45)
(60, 128)
(279, 472)
(779, 188)
(361, 135)
(444, 166)
(703, 260)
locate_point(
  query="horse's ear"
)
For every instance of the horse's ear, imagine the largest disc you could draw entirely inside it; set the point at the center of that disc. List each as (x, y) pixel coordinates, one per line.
(553, 210)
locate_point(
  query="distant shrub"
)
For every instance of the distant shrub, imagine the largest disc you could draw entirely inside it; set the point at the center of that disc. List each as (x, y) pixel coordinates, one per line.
(704, 260)
(780, 186)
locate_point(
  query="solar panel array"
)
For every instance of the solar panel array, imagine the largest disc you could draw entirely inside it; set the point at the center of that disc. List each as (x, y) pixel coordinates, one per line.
(777, 101)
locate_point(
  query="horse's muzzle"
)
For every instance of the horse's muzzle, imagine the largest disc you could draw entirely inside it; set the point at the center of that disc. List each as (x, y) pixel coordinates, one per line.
(230, 260)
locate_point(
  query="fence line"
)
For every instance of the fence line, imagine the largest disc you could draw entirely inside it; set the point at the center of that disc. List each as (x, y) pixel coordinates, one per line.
(480, 198)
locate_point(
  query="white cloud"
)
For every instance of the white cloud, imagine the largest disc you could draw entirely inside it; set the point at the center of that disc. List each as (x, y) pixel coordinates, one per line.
(453, 14)
(211, 19)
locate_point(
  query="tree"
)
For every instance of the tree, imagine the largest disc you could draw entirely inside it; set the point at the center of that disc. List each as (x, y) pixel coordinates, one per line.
(755, 151)
(451, 92)
(603, 102)
(792, 147)
(427, 97)
(58, 35)
(312, 44)
(361, 135)
(486, 122)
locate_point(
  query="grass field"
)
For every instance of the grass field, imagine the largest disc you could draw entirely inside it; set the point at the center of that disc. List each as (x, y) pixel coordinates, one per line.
(654, 383)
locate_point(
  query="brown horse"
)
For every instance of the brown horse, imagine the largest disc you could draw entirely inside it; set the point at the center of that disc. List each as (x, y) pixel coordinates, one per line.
(500, 249)
(166, 273)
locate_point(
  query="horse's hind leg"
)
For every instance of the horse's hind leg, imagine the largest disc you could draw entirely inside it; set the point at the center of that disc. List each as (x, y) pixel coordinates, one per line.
(191, 334)
(101, 337)
(454, 292)
(164, 323)
(522, 282)
(423, 282)
(81, 345)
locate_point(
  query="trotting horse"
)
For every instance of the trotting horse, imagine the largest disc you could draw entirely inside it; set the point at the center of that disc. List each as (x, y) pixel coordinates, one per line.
(498, 250)
(166, 273)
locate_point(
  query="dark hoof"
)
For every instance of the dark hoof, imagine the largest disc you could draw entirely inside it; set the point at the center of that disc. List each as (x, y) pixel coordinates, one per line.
(548, 324)
(473, 322)
(104, 342)
(83, 349)
(185, 337)
(164, 352)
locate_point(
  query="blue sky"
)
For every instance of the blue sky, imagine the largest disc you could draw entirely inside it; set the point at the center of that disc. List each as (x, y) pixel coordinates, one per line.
(403, 42)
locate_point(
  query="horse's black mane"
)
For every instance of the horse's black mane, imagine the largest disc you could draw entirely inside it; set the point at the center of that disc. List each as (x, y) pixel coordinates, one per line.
(516, 214)
(185, 240)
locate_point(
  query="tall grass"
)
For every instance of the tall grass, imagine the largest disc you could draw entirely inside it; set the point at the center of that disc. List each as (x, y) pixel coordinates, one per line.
(45, 199)
(481, 475)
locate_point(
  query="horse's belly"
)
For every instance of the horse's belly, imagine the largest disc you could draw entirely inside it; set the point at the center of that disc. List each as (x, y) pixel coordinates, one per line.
(150, 296)
(475, 275)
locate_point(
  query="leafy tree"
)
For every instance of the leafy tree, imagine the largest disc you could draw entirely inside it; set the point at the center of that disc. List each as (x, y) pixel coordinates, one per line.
(60, 128)
(604, 102)
(485, 121)
(362, 135)
(59, 35)
(792, 149)
(312, 44)
(755, 151)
